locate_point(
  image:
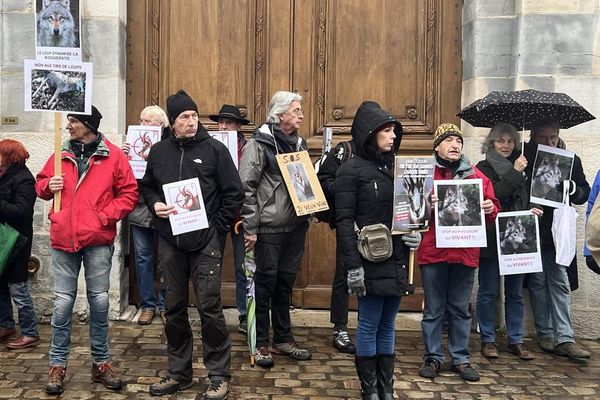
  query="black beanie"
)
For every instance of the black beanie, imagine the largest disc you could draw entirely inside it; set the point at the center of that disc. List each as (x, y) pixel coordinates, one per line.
(91, 121)
(178, 103)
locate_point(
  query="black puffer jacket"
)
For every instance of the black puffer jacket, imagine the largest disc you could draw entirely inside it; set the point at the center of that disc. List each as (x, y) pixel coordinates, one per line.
(17, 198)
(364, 192)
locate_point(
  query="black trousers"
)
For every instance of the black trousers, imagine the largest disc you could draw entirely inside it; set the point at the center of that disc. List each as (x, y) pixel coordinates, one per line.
(278, 257)
(203, 267)
(338, 313)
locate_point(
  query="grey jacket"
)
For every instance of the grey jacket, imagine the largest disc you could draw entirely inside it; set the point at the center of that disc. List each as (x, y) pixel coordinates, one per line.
(268, 207)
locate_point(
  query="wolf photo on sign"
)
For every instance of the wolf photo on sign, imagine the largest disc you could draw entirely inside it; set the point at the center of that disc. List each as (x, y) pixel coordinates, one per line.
(58, 86)
(518, 242)
(413, 183)
(552, 166)
(57, 30)
(459, 219)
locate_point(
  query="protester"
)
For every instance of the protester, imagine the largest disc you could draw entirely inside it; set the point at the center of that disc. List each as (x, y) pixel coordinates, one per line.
(271, 226)
(190, 152)
(338, 310)
(448, 273)
(229, 118)
(17, 198)
(142, 234)
(364, 194)
(503, 165)
(549, 290)
(589, 259)
(97, 189)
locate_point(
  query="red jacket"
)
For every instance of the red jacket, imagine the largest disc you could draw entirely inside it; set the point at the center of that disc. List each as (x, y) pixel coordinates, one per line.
(90, 205)
(430, 254)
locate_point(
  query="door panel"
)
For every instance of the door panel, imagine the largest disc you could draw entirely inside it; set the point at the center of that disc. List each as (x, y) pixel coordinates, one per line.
(335, 53)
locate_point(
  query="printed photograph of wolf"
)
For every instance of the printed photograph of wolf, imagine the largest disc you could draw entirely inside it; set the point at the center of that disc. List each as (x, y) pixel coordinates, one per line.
(517, 234)
(300, 182)
(58, 90)
(549, 170)
(459, 205)
(57, 23)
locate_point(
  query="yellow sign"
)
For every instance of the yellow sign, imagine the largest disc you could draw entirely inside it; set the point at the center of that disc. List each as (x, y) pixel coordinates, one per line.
(302, 183)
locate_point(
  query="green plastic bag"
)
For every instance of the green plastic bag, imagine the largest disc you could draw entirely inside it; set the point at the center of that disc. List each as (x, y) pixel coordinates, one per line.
(10, 242)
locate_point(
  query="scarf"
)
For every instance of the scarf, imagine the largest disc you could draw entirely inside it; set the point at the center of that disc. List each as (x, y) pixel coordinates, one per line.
(500, 164)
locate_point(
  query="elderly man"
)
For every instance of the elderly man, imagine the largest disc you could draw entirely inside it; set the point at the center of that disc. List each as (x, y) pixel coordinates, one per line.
(230, 118)
(191, 153)
(271, 226)
(549, 290)
(448, 274)
(142, 234)
(98, 189)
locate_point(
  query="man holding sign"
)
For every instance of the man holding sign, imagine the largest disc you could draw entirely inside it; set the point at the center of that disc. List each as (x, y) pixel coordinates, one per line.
(190, 153)
(98, 189)
(271, 226)
(448, 273)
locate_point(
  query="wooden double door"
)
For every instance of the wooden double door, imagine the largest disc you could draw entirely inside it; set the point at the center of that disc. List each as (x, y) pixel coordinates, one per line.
(404, 54)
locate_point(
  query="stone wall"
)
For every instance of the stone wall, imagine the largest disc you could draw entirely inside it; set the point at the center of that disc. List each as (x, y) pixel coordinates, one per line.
(103, 44)
(543, 45)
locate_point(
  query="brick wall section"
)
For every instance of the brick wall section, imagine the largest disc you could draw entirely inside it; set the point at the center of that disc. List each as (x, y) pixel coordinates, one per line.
(103, 39)
(543, 45)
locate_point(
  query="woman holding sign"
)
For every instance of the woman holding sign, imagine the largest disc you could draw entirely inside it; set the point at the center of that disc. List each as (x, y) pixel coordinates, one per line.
(504, 165)
(364, 200)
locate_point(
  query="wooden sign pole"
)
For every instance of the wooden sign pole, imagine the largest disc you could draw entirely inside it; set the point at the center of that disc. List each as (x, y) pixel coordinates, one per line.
(57, 160)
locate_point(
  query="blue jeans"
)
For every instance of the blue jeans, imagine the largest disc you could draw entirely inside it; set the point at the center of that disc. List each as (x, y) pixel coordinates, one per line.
(375, 333)
(239, 252)
(97, 263)
(447, 287)
(550, 296)
(489, 285)
(19, 292)
(143, 245)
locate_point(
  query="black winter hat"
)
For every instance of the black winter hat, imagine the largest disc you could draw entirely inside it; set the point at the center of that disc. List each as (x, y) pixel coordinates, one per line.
(178, 103)
(91, 121)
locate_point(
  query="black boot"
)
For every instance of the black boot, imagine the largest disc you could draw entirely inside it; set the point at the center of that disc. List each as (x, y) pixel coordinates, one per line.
(366, 368)
(385, 376)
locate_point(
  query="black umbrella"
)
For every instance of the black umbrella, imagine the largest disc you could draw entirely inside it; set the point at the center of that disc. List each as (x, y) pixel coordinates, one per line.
(524, 108)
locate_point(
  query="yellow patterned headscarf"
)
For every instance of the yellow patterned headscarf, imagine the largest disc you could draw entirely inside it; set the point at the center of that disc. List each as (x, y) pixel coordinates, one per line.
(445, 130)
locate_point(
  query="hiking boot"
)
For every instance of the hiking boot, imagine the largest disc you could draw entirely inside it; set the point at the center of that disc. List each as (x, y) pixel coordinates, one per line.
(163, 317)
(429, 368)
(217, 390)
(146, 316)
(243, 326)
(6, 333)
(519, 350)
(168, 385)
(547, 344)
(488, 350)
(571, 350)
(263, 357)
(23, 342)
(291, 350)
(106, 374)
(466, 372)
(342, 342)
(56, 376)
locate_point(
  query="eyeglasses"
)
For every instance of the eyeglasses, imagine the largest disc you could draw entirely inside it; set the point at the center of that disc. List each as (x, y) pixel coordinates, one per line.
(297, 112)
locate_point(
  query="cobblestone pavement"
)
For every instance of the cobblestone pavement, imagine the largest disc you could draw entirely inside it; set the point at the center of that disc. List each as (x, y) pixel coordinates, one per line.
(138, 353)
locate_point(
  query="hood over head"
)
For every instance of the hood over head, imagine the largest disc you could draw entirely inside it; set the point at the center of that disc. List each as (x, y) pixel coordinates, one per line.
(367, 121)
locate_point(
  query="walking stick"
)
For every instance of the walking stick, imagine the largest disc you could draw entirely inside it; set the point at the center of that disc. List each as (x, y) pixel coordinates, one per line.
(57, 151)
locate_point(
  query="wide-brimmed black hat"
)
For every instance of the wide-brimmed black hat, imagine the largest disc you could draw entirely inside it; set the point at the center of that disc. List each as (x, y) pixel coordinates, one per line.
(230, 112)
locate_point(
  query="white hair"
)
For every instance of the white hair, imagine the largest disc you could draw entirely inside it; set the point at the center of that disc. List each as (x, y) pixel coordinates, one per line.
(280, 103)
(157, 113)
